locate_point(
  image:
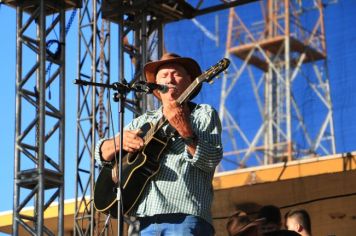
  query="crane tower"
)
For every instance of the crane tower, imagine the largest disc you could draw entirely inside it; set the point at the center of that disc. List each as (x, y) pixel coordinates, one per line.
(279, 69)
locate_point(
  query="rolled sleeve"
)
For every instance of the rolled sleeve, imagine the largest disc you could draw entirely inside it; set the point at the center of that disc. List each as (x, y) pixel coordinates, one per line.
(97, 154)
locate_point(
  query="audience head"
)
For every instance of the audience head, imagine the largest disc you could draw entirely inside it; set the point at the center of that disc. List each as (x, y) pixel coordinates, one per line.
(298, 220)
(272, 218)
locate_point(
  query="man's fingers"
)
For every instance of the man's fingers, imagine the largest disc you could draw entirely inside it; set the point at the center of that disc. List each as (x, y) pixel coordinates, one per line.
(132, 142)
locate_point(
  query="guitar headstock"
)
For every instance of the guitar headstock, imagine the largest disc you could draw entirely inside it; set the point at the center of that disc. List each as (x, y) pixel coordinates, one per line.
(207, 76)
(213, 71)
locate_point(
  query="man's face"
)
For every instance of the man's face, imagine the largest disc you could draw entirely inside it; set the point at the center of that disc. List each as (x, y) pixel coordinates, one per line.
(175, 77)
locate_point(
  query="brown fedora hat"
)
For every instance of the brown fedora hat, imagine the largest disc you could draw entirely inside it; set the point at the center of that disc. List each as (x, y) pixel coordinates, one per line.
(190, 65)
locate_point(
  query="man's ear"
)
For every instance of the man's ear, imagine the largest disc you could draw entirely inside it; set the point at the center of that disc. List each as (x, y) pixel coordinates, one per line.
(299, 227)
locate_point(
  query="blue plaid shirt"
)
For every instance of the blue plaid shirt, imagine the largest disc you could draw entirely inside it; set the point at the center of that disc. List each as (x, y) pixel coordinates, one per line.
(184, 182)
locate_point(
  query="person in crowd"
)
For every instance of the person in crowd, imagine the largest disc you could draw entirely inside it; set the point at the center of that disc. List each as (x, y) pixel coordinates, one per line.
(177, 199)
(272, 224)
(298, 220)
(272, 216)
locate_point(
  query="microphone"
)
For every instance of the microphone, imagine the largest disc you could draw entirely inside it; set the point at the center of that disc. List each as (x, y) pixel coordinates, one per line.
(145, 87)
(160, 87)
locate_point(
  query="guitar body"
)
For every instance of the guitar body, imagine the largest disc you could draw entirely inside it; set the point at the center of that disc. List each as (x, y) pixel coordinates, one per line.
(137, 170)
(105, 193)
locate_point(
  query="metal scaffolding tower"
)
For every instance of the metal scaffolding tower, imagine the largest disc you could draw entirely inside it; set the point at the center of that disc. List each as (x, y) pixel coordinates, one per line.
(92, 109)
(282, 52)
(40, 113)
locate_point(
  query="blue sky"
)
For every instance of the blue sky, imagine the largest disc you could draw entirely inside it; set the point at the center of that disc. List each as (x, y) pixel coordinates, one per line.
(341, 40)
(7, 91)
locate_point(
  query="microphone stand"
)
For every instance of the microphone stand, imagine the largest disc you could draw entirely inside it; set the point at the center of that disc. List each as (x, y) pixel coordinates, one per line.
(122, 89)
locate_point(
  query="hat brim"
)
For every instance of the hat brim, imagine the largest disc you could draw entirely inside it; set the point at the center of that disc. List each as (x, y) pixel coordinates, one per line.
(190, 65)
(250, 226)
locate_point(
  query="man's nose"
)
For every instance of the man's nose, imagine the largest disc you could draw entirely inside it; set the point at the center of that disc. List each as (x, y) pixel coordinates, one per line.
(170, 77)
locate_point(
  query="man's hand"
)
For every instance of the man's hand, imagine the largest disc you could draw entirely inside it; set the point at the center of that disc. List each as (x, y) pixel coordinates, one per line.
(132, 141)
(178, 116)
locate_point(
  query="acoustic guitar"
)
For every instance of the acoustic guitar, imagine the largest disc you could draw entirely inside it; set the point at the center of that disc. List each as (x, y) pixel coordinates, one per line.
(140, 167)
